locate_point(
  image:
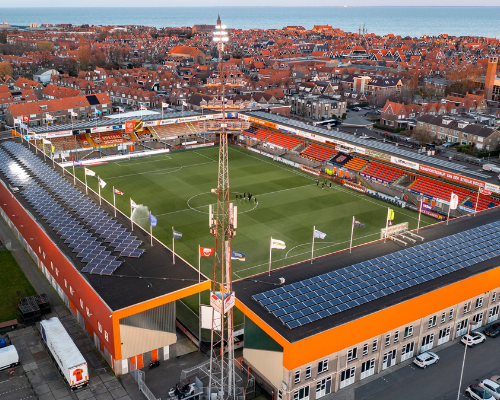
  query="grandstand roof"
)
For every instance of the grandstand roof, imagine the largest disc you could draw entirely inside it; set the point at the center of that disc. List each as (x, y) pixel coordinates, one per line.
(107, 122)
(248, 287)
(137, 280)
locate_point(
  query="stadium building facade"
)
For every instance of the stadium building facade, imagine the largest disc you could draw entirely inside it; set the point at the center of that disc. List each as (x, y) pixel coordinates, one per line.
(331, 348)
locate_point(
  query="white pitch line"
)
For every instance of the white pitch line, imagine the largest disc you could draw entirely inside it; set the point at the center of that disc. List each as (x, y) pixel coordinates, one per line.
(160, 171)
(203, 155)
(142, 162)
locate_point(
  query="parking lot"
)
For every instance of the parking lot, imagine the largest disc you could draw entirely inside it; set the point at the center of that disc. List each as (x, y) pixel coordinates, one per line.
(439, 381)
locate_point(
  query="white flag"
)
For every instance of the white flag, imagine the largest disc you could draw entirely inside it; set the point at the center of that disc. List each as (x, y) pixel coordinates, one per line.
(164, 105)
(46, 141)
(74, 114)
(454, 201)
(277, 244)
(132, 204)
(101, 182)
(184, 103)
(89, 172)
(17, 121)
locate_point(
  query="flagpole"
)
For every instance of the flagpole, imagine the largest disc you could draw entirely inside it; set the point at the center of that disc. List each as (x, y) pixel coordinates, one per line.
(270, 249)
(52, 151)
(150, 229)
(477, 201)
(173, 246)
(386, 224)
(114, 200)
(74, 177)
(131, 220)
(419, 214)
(449, 208)
(352, 233)
(86, 190)
(312, 250)
(99, 184)
(199, 294)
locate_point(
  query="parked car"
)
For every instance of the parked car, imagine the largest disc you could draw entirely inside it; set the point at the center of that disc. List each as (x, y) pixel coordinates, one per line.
(473, 338)
(492, 330)
(425, 359)
(491, 387)
(478, 393)
(3, 343)
(496, 379)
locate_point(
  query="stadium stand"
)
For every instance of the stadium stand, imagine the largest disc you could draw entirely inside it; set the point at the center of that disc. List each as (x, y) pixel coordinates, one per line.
(251, 130)
(284, 141)
(381, 172)
(172, 131)
(484, 202)
(356, 164)
(318, 153)
(261, 134)
(341, 159)
(439, 190)
(145, 135)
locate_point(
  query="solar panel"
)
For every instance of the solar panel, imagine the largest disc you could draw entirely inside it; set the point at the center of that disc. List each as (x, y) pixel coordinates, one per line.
(302, 302)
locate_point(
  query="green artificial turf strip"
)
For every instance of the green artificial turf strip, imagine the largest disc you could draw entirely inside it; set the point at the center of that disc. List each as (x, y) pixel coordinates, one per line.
(12, 280)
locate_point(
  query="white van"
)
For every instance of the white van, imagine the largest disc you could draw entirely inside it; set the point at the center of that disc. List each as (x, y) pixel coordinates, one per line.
(8, 357)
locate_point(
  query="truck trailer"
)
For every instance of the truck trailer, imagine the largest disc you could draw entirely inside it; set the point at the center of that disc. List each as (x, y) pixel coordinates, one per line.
(68, 358)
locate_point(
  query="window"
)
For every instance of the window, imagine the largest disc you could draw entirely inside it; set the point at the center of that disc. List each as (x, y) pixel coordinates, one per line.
(323, 366)
(81, 304)
(467, 307)
(71, 291)
(308, 372)
(408, 331)
(396, 336)
(347, 377)
(374, 346)
(365, 349)
(280, 395)
(451, 314)
(99, 327)
(432, 321)
(57, 274)
(443, 317)
(65, 283)
(352, 354)
(88, 312)
(106, 336)
(479, 302)
(301, 394)
(493, 297)
(297, 376)
(388, 340)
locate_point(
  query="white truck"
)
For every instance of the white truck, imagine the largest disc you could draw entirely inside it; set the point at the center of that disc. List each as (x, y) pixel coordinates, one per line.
(68, 358)
(8, 357)
(491, 167)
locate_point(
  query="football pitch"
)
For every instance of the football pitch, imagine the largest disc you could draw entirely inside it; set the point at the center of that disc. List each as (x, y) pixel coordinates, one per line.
(176, 188)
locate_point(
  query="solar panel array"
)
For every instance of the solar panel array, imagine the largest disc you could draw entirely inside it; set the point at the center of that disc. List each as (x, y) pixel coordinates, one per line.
(384, 147)
(70, 226)
(312, 299)
(107, 122)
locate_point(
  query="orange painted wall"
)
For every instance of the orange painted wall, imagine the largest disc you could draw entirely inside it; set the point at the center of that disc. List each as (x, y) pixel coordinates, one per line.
(315, 347)
(36, 238)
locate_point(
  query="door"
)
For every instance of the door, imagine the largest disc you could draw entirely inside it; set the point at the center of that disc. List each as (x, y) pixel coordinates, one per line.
(389, 359)
(477, 321)
(133, 364)
(444, 335)
(347, 377)
(407, 351)
(323, 387)
(462, 327)
(427, 343)
(367, 368)
(493, 314)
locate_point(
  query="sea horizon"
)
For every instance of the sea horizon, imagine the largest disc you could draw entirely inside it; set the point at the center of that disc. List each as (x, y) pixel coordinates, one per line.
(381, 20)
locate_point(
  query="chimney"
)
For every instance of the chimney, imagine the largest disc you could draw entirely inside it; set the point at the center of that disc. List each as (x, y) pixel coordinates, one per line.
(490, 78)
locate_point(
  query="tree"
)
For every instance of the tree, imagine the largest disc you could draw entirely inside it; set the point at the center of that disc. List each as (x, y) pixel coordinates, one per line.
(5, 69)
(3, 36)
(423, 135)
(84, 55)
(463, 79)
(44, 45)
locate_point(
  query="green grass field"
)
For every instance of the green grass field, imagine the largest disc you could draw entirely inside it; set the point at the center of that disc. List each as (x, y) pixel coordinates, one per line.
(176, 189)
(12, 280)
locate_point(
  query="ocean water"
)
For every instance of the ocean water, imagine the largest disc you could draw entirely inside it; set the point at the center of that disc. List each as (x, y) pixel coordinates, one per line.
(412, 21)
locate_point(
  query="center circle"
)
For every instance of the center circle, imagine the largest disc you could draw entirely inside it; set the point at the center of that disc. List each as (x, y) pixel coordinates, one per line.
(211, 198)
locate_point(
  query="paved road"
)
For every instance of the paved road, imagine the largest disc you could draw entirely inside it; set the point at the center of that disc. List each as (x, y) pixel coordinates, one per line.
(437, 381)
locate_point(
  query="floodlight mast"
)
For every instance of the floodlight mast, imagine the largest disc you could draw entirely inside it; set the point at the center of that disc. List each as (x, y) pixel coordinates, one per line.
(222, 380)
